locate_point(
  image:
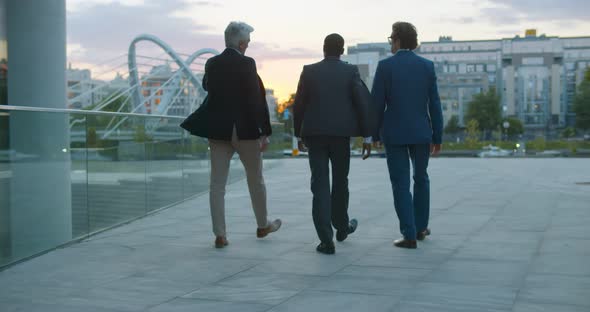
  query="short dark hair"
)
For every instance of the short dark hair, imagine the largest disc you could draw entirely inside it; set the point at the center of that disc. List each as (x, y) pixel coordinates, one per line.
(333, 45)
(406, 33)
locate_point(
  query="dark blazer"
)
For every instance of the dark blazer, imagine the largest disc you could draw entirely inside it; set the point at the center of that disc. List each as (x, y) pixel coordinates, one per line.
(406, 101)
(236, 97)
(331, 100)
(196, 123)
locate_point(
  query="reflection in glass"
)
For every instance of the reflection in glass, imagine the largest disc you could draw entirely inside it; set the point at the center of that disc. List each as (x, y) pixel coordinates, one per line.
(164, 147)
(79, 158)
(116, 170)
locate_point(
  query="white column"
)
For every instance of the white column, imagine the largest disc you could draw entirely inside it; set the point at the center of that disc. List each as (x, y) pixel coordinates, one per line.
(40, 193)
(556, 70)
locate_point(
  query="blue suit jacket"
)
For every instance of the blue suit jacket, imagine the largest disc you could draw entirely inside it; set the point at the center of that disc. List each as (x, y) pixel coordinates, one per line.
(406, 102)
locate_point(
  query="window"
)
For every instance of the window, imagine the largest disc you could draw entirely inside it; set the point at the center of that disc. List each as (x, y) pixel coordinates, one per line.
(462, 68)
(470, 68)
(532, 61)
(479, 68)
(491, 67)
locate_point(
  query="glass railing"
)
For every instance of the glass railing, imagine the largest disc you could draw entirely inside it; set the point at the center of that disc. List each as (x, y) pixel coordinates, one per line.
(66, 174)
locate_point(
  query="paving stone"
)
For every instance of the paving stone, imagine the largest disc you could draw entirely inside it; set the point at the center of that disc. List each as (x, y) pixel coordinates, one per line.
(507, 235)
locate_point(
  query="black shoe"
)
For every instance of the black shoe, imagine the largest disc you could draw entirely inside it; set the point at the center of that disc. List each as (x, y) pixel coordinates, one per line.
(326, 248)
(422, 234)
(352, 225)
(405, 243)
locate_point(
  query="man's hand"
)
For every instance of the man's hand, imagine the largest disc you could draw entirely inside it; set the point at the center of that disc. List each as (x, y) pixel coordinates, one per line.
(435, 149)
(264, 141)
(366, 150)
(301, 146)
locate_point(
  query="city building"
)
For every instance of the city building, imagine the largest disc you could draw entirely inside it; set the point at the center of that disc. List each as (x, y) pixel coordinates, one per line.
(272, 102)
(536, 75)
(83, 91)
(166, 93)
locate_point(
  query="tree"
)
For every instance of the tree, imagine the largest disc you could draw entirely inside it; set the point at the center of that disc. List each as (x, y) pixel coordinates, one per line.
(485, 109)
(91, 137)
(282, 107)
(568, 132)
(119, 101)
(453, 125)
(515, 126)
(473, 133)
(141, 135)
(582, 103)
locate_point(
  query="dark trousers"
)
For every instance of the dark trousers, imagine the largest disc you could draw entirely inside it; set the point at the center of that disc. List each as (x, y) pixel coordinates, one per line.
(329, 207)
(413, 211)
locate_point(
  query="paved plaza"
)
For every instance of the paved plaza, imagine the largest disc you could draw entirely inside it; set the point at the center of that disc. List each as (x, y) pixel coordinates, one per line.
(507, 235)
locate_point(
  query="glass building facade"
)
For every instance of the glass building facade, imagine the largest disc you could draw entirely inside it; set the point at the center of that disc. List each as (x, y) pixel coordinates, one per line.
(3, 54)
(4, 183)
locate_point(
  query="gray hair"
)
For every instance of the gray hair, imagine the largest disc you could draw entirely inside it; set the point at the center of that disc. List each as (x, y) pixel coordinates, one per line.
(236, 32)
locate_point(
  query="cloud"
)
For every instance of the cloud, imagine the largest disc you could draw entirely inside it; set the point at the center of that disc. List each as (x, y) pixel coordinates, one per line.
(510, 13)
(262, 51)
(207, 3)
(547, 10)
(77, 5)
(107, 29)
(501, 16)
(458, 20)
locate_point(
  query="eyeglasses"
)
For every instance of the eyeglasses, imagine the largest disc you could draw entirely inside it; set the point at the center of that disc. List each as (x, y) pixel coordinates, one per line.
(389, 39)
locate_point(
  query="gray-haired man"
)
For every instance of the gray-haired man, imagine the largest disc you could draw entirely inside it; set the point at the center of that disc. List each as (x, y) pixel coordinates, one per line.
(238, 122)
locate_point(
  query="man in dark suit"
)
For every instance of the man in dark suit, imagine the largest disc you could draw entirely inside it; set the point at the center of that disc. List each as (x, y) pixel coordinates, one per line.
(409, 116)
(238, 121)
(330, 107)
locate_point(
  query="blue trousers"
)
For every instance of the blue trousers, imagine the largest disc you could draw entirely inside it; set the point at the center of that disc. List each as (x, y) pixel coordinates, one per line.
(413, 211)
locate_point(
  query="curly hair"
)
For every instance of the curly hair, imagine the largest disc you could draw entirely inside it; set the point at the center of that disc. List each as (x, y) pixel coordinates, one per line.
(406, 33)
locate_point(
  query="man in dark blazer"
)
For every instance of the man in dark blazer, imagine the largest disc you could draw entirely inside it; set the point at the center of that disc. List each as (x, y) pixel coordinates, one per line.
(238, 121)
(330, 107)
(409, 116)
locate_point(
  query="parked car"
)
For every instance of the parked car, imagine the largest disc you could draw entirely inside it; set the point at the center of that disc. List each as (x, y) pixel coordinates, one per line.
(493, 151)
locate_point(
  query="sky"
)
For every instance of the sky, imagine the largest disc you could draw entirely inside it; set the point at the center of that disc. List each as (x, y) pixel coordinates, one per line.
(289, 34)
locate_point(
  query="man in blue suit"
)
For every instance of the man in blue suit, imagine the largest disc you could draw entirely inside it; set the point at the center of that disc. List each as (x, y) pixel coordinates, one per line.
(409, 124)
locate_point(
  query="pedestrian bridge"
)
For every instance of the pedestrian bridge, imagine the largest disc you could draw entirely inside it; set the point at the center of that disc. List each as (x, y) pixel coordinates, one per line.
(507, 235)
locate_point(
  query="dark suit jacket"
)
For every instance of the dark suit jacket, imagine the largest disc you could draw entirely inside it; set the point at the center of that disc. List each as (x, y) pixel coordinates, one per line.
(236, 97)
(406, 101)
(331, 100)
(196, 123)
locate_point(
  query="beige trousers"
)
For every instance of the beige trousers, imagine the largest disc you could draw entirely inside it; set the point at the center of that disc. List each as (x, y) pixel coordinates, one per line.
(251, 157)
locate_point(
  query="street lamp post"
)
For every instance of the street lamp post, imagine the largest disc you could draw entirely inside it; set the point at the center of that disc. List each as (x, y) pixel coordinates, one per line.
(506, 125)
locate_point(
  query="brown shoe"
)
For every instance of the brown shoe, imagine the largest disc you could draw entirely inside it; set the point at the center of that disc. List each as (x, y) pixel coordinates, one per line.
(272, 227)
(422, 234)
(405, 243)
(220, 242)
